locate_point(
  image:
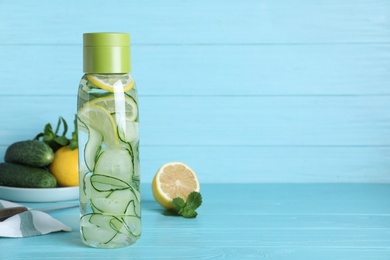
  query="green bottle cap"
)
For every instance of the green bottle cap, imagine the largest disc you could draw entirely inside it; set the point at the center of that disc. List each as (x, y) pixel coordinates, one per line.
(106, 53)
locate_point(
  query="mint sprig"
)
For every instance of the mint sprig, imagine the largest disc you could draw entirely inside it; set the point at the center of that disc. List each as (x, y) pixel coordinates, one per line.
(54, 139)
(187, 208)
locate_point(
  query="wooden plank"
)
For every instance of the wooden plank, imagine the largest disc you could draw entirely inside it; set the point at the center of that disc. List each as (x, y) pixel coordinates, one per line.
(232, 121)
(284, 121)
(268, 164)
(210, 70)
(299, 202)
(257, 164)
(245, 164)
(205, 22)
(314, 198)
(256, 238)
(275, 228)
(206, 252)
(299, 226)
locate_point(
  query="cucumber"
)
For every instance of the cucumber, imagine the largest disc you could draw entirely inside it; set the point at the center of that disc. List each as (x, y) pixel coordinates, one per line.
(31, 153)
(16, 175)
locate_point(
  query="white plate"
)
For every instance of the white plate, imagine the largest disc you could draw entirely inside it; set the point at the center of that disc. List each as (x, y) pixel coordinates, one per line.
(39, 195)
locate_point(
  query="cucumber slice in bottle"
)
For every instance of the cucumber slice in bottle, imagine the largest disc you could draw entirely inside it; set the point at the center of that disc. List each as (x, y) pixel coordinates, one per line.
(133, 209)
(128, 132)
(96, 227)
(116, 163)
(90, 190)
(106, 231)
(128, 225)
(115, 203)
(87, 192)
(107, 183)
(123, 240)
(92, 148)
(136, 175)
(132, 225)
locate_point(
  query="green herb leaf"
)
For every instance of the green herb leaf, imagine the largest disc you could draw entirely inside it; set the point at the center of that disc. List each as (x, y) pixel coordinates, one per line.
(187, 209)
(56, 141)
(187, 212)
(62, 140)
(178, 203)
(58, 125)
(194, 200)
(73, 143)
(48, 133)
(65, 126)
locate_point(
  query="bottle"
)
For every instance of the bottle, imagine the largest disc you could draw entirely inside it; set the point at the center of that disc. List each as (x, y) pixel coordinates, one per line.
(107, 125)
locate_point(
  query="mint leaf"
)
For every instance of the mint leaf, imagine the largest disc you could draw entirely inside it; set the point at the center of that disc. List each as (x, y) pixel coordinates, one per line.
(188, 212)
(62, 140)
(187, 208)
(178, 204)
(194, 200)
(52, 138)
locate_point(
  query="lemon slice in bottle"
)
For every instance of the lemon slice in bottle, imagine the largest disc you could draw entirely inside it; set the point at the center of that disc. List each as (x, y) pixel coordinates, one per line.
(174, 179)
(108, 103)
(100, 119)
(107, 81)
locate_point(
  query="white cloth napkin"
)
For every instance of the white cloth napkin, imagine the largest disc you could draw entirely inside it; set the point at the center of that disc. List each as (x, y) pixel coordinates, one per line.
(29, 223)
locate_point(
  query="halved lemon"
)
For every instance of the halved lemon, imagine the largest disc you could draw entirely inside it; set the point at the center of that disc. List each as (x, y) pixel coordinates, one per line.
(174, 179)
(100, 119)
(111, 81)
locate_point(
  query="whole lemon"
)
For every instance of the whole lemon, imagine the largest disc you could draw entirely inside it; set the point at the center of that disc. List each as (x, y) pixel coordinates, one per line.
(65, 167)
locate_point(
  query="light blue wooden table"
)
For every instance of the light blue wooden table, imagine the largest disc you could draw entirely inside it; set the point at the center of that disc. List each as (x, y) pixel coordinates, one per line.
(270, 221)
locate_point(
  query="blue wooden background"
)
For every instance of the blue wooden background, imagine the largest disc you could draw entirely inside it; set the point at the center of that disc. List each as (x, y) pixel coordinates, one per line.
(243, 91)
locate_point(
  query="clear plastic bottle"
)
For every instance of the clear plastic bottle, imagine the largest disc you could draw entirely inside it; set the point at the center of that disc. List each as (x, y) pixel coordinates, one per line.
(107, 121)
